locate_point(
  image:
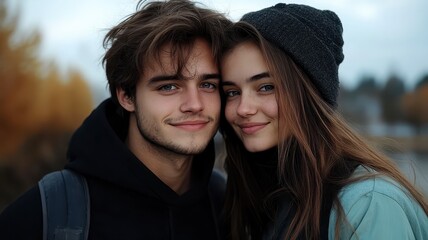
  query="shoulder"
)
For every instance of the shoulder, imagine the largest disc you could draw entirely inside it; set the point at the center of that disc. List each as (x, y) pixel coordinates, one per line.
(380, 202)
(22, 219)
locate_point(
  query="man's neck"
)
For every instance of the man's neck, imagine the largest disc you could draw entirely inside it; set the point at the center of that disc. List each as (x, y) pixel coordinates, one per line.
(176, 173)
(171, 168)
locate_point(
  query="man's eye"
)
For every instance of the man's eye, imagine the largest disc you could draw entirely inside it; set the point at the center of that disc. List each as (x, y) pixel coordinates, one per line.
(267, 88)
(167, 87)
(208, 85)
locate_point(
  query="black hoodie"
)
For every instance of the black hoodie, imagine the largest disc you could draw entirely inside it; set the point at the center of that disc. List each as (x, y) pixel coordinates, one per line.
(127, 200)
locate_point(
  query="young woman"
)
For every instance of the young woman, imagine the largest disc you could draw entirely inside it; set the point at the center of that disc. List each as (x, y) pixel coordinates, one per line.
(295, 168)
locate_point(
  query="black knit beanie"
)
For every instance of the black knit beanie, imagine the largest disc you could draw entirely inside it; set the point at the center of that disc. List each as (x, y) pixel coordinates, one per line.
(311, 37)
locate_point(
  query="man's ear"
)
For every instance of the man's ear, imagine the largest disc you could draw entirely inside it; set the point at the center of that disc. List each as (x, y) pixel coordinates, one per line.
(125, 101)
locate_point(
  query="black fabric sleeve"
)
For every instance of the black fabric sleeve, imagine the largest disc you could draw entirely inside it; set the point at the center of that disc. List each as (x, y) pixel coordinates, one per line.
(22, 219)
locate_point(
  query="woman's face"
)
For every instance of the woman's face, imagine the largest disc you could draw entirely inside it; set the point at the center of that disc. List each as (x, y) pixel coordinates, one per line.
(251, 107)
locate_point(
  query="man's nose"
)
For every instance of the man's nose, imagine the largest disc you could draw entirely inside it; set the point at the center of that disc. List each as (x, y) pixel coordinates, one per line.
(192, 100)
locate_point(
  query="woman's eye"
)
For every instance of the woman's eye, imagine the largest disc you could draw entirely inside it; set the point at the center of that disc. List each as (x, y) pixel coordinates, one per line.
(167, 87)
(267, 88)
(231, 93)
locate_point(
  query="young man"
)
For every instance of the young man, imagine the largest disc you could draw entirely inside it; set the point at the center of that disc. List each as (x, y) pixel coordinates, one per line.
(147, 152)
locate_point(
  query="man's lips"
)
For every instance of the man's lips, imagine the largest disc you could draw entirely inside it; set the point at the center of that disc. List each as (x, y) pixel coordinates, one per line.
(250, 128)
(193, 125)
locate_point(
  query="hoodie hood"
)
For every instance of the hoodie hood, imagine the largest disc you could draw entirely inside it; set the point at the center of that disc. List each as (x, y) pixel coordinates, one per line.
(97, 149)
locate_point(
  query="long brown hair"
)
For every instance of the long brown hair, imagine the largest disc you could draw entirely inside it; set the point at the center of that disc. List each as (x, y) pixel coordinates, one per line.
(317, 158)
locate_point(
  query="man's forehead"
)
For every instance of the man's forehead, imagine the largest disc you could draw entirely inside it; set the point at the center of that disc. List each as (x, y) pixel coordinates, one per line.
(182, 60)
(165, 57)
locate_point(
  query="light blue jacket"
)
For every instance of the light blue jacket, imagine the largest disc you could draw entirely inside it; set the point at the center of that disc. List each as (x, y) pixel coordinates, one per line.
(379, 209)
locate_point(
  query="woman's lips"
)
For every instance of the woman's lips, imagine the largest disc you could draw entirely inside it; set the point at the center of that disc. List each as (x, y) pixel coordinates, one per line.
(250, 128)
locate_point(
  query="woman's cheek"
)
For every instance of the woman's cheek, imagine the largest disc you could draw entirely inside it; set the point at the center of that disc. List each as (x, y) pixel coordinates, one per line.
(230, 112)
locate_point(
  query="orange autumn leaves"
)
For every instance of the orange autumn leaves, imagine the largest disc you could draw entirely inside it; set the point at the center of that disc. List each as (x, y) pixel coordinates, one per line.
(34, 96)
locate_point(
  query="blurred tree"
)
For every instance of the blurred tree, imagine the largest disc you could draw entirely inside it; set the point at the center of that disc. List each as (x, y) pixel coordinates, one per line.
(390, 98)
(368, 87)
(79, 107)
(19, 83)
(34, 96)
(359, 106)
(39, 109)
(414, 105)
(422, 82)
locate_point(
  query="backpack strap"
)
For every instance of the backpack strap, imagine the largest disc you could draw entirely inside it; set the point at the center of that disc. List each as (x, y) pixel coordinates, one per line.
(65, 206)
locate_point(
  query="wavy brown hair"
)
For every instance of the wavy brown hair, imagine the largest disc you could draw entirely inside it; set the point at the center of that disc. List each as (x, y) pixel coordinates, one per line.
(314, 162)
(136, 42)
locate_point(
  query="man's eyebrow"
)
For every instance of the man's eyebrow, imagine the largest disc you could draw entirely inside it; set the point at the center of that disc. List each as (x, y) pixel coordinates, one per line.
(251, 79)
(210, 76)
(161, 78)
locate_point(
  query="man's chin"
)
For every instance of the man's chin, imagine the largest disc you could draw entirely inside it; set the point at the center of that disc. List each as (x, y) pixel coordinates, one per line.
(192, 150)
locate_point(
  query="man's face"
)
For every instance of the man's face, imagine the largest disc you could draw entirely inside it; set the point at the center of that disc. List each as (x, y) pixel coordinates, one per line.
(178, 115)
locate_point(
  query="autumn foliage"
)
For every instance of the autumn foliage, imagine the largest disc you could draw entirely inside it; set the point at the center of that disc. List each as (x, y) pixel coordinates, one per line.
(415, 105)
(34, 96)
(40, 107)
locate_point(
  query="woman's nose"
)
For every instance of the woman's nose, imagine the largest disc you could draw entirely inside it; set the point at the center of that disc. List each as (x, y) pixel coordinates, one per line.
(247, 106)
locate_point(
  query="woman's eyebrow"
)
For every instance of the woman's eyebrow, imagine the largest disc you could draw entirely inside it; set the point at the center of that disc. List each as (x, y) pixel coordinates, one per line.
(251, 79)
(258, 76)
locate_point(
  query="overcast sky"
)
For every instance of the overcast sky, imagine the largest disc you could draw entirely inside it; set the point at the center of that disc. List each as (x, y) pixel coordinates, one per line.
(381, 37)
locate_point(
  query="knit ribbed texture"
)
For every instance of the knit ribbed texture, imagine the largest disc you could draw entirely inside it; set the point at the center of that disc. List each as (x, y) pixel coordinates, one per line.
(311, 37)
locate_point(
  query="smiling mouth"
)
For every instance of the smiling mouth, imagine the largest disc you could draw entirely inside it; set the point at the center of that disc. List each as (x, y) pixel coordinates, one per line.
(252, 128)
(191, 125)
